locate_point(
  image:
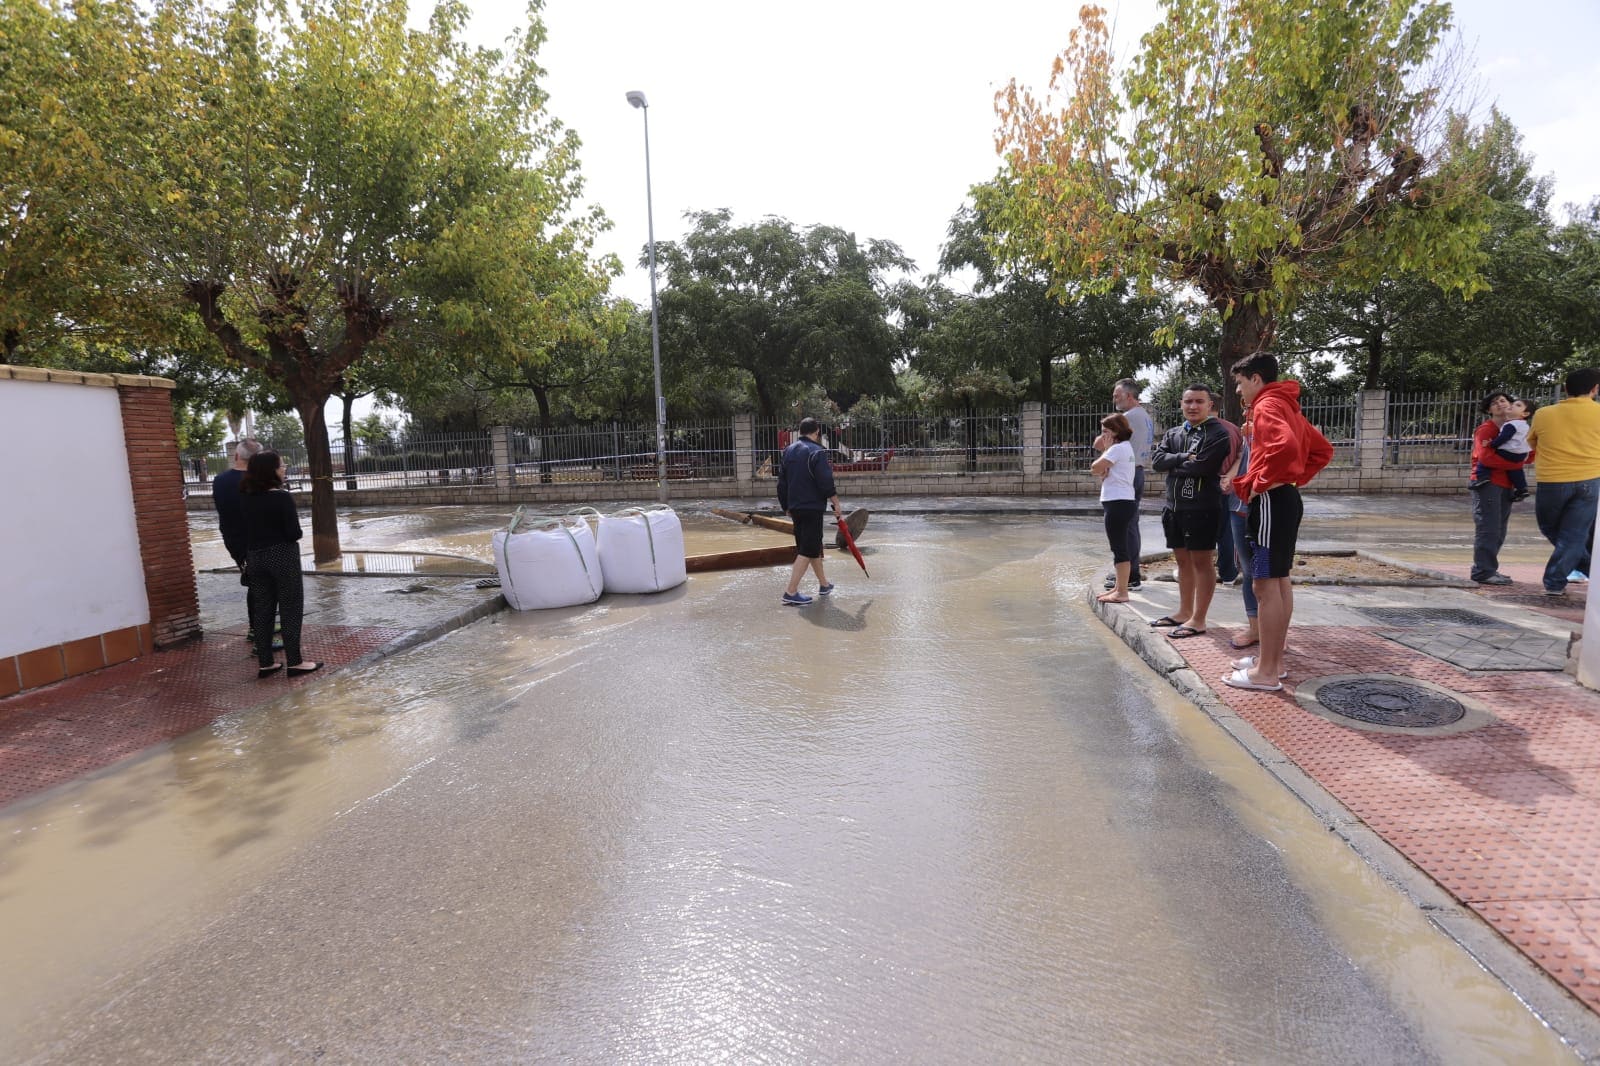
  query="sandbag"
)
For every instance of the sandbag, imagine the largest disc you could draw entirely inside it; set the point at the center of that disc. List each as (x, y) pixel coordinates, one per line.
(555, 564)
(641, 550)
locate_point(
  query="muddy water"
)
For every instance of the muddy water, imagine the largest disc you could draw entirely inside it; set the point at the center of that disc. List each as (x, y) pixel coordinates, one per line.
(940, 817)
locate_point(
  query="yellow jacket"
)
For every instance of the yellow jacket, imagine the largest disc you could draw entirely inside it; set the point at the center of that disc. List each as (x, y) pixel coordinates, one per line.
(1566, 436)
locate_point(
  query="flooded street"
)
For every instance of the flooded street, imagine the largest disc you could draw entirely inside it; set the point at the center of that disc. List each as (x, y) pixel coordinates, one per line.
(942, 816)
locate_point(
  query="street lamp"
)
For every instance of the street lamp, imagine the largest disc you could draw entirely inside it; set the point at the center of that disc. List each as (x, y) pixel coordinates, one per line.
(636, 98)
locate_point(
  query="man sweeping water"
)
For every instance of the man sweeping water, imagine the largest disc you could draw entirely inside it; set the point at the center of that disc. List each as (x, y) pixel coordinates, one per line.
(805, 492)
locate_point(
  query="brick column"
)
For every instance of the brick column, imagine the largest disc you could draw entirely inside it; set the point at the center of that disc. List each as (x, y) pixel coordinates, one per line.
(158, 509)
(744, 454)
(1032, 441)
(1372, 414)
(500, 444)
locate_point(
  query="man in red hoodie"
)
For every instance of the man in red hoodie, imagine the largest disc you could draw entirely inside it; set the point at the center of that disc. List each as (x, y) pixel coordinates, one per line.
(1287, 451)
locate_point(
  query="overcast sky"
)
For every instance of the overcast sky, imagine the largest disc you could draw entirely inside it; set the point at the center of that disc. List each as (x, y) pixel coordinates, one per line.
(877, 115)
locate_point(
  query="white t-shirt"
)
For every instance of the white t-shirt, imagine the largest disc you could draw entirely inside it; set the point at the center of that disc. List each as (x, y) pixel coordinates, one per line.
(1118, 484)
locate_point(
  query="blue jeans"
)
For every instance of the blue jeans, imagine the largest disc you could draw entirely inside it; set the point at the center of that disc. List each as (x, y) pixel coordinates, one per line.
(1491, 515)
(1239, 524)
(1566, 512)
(1227, 558)
(1135, 541)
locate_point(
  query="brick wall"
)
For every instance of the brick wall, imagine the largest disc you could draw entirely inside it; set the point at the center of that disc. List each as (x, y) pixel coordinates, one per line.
(159, 511)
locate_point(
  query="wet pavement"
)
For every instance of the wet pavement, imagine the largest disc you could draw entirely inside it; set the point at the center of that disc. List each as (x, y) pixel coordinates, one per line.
(944, 816)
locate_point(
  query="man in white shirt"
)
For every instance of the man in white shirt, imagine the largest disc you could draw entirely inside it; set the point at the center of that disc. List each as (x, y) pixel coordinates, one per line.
(1125, 398)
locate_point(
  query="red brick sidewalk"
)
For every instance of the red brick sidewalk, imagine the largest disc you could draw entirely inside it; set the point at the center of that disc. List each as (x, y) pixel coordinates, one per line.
(1506, 818)
(54, 734)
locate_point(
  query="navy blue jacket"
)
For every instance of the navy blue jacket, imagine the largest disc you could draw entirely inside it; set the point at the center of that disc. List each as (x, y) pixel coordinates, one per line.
(230, 510)
(805, 477)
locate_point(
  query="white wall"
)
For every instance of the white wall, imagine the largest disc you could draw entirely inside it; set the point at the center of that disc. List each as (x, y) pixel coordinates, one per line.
(1589, 650)
(69, 550)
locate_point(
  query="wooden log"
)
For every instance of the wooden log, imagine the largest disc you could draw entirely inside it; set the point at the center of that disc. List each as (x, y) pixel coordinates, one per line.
(746, 559)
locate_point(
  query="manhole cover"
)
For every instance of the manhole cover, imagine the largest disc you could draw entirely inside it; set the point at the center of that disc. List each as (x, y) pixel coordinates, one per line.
(1428, 616)
(1390, 703)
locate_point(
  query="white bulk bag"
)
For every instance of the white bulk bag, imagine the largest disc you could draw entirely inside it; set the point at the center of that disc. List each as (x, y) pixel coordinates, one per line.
(641, 550)
(552, 565)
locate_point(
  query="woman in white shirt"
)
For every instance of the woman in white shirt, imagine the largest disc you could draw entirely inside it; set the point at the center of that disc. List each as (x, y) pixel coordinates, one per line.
(1115, 468)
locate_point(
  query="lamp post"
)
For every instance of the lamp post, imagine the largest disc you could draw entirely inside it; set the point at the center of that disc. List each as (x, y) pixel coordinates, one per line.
(636, 98)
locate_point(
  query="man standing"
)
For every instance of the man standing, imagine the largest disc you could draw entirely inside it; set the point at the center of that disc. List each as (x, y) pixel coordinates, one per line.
(225, 496)
(1192, 456)
(1566, 436)
(1125, 398)
(1286, 451)
(805, 489)
(1491, 499)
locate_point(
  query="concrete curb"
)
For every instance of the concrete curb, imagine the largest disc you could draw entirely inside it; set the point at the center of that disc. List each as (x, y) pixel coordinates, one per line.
(411, 638)
(1576, 1025)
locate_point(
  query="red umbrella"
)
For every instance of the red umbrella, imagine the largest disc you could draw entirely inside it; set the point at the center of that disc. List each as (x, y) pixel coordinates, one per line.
(849, 540)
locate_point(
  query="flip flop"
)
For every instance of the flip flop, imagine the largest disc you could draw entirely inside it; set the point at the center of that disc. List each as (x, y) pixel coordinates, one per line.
(1241, 679)
(1164, 621)
(1248, 663)
(301, 668)
(268, 671)
(1185, 632)
(1247, 644)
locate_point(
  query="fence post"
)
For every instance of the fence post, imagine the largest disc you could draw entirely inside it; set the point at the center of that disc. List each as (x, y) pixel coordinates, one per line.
(744, 453)
(1372, 413)
(500, 446)
(1032, 445)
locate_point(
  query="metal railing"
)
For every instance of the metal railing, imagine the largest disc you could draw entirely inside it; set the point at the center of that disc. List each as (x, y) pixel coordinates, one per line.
(622, 451)
(1420, 430)
(908, 442)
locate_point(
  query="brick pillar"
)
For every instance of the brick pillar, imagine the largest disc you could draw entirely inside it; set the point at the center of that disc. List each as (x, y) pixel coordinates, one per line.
(1372, 413)
(500, 443)
(158, 509)
(744, 454)
(1032, 442)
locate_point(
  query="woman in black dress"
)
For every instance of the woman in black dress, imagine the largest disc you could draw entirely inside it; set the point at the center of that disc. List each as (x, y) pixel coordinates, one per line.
(272, 562)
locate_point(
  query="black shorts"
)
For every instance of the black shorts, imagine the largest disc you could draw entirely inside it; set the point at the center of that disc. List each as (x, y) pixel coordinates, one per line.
(1194, 531)
(808, 533)
(1273, 528)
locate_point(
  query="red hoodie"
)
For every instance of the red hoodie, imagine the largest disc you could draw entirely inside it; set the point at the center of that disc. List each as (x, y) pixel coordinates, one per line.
(1286, 447)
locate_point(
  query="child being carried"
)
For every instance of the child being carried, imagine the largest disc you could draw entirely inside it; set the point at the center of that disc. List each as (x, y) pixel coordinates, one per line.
(1511, 444)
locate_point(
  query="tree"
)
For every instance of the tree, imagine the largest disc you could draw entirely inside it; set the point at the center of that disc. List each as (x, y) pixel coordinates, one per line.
(325, 186)
(60, 131)
(785, 307)
(1035, 326)
(1405, 332)
(1255, 149)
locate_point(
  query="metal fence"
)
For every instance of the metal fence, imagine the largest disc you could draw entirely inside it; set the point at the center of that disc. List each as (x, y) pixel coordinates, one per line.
(1428, 430)
(907, 442)
(622, 451)
(1436, 429)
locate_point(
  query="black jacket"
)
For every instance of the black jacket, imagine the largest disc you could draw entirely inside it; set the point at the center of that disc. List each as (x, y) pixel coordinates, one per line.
(1192, 458)
(269, 519)
(805, 477)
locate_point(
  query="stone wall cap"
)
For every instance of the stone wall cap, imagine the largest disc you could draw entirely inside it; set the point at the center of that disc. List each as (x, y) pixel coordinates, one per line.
(76, 377)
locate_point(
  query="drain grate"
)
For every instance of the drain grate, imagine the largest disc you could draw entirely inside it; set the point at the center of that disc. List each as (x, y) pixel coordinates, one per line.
(1430, 616)
(1379, 701)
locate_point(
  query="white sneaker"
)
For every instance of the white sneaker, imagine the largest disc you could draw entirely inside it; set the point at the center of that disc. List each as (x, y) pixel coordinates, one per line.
(1248, 663)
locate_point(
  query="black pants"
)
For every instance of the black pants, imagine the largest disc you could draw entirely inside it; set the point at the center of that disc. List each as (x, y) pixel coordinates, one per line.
(275, 589)
(1119, 514)
(249, 593)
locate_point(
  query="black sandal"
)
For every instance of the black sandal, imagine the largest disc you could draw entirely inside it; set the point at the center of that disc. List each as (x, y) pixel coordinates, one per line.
(268, 671)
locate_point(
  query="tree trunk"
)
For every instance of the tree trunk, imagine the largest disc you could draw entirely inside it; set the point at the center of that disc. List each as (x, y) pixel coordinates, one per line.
(1375, 352)
(1245, 332)
(319, 461)
(349, 440)
(972, 437)
(542, 395)
(1046, 383)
